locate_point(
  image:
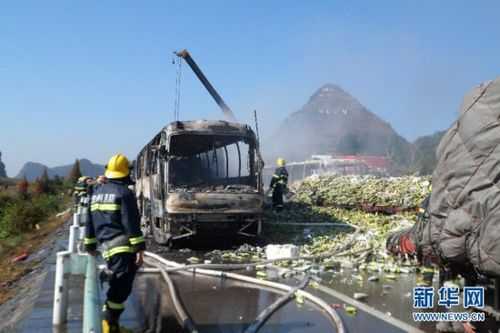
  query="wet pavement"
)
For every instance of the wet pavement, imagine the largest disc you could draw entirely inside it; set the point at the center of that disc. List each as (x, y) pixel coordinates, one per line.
(392, 297)
(40, 318)
(223, 306)
(228, 306)
(220, 305)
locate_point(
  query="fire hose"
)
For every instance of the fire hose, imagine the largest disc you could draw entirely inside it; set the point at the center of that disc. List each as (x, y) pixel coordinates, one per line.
(184, 318)
(174, 266)
(280, 302)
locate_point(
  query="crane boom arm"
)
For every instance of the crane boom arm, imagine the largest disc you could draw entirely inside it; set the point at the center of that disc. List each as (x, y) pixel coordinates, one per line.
(218, 99)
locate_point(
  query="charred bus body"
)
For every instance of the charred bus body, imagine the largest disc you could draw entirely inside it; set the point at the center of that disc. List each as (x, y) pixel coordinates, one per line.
(200, 177)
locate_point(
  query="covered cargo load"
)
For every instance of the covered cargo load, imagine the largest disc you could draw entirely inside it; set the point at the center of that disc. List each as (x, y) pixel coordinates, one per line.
(464, 210)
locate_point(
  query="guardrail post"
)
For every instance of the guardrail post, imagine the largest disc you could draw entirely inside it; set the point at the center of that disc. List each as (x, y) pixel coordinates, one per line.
(59, 315)
(63, 268)
(91, 302)
(73, 230)
(73, 262)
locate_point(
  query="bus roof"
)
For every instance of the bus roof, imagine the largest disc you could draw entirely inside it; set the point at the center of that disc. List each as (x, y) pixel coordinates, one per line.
(214, 127)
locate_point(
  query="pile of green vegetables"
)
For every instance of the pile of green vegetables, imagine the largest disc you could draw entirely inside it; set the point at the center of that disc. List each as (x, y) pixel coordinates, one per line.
(361, 246)
(355, 191)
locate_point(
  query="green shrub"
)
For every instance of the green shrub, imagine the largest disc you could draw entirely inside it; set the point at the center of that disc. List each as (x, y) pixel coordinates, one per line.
(18, 216)
(48, 203)
(21, 216)
(5, 200)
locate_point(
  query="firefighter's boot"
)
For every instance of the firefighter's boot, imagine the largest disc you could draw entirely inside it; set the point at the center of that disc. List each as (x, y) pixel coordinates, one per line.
(114, 328)
(110, 323)
(108, 327)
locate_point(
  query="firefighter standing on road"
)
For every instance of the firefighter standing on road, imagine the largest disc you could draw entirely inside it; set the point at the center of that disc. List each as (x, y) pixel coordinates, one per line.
(81, 191)
(279, 184)
(114, 224)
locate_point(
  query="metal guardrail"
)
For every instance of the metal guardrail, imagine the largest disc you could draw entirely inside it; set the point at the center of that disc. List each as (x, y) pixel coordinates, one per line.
(75, 262)
(91, 300)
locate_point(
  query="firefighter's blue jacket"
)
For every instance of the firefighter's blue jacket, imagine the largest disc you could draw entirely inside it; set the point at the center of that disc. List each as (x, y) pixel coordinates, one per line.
(113, 216)
(280, 179)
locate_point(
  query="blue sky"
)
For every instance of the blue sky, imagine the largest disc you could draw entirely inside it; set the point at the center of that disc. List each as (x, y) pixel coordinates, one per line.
(90, 78)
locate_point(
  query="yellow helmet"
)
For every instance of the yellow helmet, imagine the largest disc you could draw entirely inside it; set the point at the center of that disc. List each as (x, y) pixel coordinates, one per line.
(117, 167)
(280, 162)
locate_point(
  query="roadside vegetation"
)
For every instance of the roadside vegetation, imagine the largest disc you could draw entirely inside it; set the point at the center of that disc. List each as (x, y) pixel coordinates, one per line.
(24, 207)
(29, 216)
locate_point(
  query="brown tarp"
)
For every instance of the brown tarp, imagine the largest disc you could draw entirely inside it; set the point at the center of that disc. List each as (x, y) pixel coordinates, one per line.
(464, 225)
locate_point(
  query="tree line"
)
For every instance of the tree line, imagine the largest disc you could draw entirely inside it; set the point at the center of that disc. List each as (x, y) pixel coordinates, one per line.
(26, 205)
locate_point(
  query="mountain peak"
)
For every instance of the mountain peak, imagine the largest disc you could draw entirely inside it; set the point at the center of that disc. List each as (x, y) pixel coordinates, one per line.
(331, 89)
(333, 121)
(32, 170)
(332, 99)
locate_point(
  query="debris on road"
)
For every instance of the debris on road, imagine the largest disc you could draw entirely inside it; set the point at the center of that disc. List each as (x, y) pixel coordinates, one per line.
(23, 256)
(350, 310)
(193, 260)
(64, 213)
(299, 298)
(277, 251)
(359, 296)
(261, 274)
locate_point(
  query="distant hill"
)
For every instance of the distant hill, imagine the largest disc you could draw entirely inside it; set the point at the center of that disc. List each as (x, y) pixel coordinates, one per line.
(334, 122)
(7, 182)
(3, 172)
(424, 160)
(32, 170)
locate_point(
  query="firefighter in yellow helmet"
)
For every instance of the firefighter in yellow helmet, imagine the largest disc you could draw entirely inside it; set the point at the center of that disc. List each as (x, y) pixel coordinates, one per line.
(114, 224)
(279, 184)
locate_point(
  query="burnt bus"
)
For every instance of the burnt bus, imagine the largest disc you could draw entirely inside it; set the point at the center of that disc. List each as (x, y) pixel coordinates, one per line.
(200, 177)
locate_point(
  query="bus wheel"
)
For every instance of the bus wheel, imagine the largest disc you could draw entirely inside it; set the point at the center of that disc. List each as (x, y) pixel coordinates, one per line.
(161, 237)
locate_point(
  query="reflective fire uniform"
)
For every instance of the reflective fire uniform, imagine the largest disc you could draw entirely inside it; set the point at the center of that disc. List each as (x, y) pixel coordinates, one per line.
(81, 193)
(114, 224)
(279, 184)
